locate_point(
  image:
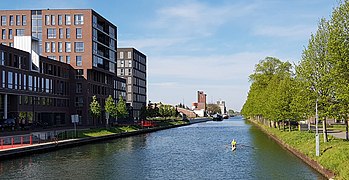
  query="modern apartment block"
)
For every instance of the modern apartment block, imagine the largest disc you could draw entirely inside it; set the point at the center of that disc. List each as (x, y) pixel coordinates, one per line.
(131, 65)
(80, 38)
(38, 98)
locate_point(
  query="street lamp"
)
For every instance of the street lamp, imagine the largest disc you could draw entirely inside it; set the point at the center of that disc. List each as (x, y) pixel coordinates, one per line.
(317, 140)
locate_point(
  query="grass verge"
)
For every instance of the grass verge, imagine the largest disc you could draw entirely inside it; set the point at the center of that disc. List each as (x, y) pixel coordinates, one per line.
(334, 155)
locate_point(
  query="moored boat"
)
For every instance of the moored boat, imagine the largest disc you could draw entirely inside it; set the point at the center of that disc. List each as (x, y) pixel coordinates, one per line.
(217, 117)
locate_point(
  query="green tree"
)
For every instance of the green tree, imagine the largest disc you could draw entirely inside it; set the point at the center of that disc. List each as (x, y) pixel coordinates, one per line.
(267, 91)
(95, 108)
(110, 106)
(339, 56)
(213, 108)
(231, 112)
(121, 108)
(315, 72)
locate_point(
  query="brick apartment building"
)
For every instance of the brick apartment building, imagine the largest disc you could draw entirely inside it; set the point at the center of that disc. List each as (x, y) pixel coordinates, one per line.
(79, 38)
(131, 65)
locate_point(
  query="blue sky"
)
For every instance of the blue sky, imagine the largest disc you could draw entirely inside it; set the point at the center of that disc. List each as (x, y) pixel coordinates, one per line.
(209, 45)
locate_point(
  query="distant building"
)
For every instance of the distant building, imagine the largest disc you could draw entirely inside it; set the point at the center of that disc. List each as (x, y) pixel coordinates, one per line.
(132, 65)
(200, 107)
(221, 105)
(201, 100)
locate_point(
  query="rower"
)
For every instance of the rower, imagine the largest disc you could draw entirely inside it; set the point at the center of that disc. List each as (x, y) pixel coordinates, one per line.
(233, 145)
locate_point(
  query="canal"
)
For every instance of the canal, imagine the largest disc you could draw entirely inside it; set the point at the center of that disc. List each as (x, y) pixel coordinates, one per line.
(198, 151)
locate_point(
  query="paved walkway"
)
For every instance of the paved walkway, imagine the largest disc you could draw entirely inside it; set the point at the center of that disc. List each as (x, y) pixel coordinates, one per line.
(340, 135)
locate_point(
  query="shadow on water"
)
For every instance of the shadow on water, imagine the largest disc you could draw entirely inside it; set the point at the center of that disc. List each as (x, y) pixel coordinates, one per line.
(198, 151)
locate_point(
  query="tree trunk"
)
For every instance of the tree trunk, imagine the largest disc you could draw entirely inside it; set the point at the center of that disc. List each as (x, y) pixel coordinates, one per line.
(289, 126)
(346, 130)
(324, 129)
(309, 125)
(283, 124)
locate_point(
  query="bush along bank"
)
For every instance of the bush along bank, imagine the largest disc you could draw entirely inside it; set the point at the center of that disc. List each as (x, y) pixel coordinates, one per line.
(334, 154)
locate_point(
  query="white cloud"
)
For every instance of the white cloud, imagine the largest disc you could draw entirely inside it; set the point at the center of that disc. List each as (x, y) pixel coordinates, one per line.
(221, 77)
(198, 18)
(296, 31)
(238, 65)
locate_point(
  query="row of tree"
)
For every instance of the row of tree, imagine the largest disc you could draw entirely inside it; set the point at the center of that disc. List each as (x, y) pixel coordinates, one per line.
(281, 91)
(158, 110)
(118, 110)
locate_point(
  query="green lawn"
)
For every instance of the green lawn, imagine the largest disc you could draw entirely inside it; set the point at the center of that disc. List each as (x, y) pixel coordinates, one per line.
(117, 129)
(334, 155)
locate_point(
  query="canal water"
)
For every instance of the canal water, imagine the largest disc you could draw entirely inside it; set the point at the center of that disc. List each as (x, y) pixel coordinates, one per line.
(198, 151)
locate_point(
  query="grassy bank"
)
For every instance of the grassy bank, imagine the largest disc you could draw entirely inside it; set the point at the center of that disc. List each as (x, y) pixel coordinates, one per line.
(334, 155)
(96, 132)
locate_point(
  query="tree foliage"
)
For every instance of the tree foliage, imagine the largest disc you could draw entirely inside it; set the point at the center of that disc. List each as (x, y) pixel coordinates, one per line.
(213, 109)
(321, 76)
(95, 108)
(121, 108)
(110, 106)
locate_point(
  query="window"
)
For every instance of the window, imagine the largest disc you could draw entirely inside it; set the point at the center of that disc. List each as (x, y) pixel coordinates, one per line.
(78, 19)
(2, 58)
(68, 32)
(30, 82)
(112, 55)
(79, 74)
(94, 21)
(19, 32)
(129, 63)
(67, 46)
(24, 81)
(60, 20)
(67, 58)
(24, 20)
(79, 101)
(78, 88)
(53, 47)
(3, 31)
(129, 55)
(53, 20)
(121, 55)
(47, 20)
(60, 46)
(78, 61)
(11, 20)
(3, 79)
(51, 33)
(111, 32)
(9, 80)
(3, 20)
(112, 67)
(78, 33)
(122, 64)
(67, 20)
(61, 34)
(79, 46)
(10, 33)
(18, 20)
(47, 47)
(47, 85)
(61, 58)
